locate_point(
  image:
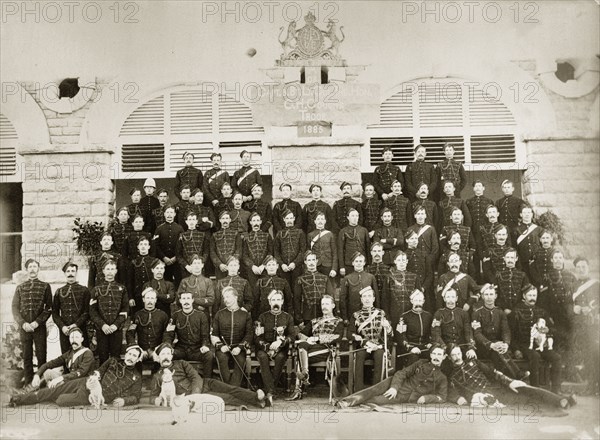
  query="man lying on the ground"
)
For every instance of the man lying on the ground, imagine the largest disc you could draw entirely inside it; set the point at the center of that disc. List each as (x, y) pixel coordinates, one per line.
(473, 382)
(188, 381)
(120, 379)
(421, 382)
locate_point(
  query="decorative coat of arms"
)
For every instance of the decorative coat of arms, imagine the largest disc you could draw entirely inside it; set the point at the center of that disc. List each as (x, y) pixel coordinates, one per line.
(309, 42)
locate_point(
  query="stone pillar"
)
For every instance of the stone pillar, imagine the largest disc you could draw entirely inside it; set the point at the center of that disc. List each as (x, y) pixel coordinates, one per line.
(57, 188)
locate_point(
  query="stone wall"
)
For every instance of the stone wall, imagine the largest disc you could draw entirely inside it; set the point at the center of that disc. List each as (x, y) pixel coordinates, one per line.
(62, 181)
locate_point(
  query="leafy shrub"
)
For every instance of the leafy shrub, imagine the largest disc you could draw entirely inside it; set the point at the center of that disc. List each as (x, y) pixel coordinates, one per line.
(87, 236)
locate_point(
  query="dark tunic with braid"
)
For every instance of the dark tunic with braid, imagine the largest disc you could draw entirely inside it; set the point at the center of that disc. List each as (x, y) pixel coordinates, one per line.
(341, 208)
(310, 211)
(71, 305)
(149, 326)
(278, 210)
(256, 245)
(371, 209)
(263, 209)
(401, 285)
(192, 243)
(264, 286)
(401, 211)
(308, 291)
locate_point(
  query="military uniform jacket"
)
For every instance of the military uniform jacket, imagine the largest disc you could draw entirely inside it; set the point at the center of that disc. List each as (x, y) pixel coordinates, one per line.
(493, 261)
(509, 282)
(466, 238)
(109, 304)
(541, 266)
(239, 220)
(245, 297)
(149, 326)
(447, 205)
(188, 175)
(524, 316)
(401, 211)
(192, 243)
(32, 302)
(192, 329)
(494, 326)
(96, 262)
(275, 326)
(185, 377)
(235, 327)
(202, 290)
(308, 291)
(224, 244)
(450, 169)
(263, 209)
(324, 326)
(310, 211)
(203, 212)
(225, 204)
(381, 272)
(474, 376)
(244, 179)
(454, 326)
(527, 241)
(256, 245)
(279, 209)
(140, 274)
(418, 329)
(430, 208)
(559, 304)
(119, 380)
(417, 172)
(134, 209)
(77, 364)
(148, 204)
(340, 211)
(130, 249)
(401, 285)
(352, 239)
(71, 305)
(119, 231)
(182, 208)
(466, 288)
(157, 219)
(418, 264)
(324, 244)
(422, 378)
(166, 237)
(367, 322)
(350, 288)
(383, 177)
(477, 208)
(428, 241)
(264, 286)
(509, 208)
(371, 209)
(165, 290)
(289, 246)
(212, 183)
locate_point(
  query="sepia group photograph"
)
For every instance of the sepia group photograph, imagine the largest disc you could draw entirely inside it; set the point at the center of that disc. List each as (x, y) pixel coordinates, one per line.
(300, 219)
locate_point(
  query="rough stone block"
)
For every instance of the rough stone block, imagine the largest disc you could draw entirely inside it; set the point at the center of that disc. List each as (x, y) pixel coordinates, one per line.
(55, 131)
(65, 139)
(71, 130)
(55, 122)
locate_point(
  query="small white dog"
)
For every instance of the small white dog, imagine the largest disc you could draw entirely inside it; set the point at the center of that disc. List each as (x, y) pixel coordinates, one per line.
(182, 405)
(539, 336)
(95, 387)
(167, 388)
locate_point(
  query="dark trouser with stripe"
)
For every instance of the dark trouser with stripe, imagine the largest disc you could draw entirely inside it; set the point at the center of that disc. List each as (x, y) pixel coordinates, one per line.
(193, 354)
(28, 339)
(71, 393)
(535, 358)
(234, 378)
(108, 345)
(232, 395)
(375, 395)
(270, 378)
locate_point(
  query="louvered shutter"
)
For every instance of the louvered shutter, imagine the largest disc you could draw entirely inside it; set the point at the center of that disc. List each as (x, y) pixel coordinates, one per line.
(235, 117)
(191, 112)
(485, 110)
(140, 158)
(439, 106)
(8, 151)
(396, 111)
(435, 147)
(402, 147)
(492, 148)
(147, 119)
(201, 151)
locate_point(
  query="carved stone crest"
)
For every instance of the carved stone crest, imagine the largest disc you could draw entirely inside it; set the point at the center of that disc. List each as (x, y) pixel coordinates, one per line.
(310, 42)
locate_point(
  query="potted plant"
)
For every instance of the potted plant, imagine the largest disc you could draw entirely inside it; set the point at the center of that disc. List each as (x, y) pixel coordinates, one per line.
(11, 360)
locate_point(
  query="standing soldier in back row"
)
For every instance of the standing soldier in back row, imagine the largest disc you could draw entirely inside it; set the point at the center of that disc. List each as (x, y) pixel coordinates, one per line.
(450, 170)
(342, 207)
(419, 172)
(188, 175)
(246, 177)
(214, 180)
(386, 174)
(509, 207)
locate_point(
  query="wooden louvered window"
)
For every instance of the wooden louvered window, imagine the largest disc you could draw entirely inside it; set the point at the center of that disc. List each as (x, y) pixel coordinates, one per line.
(8, 150)
(435, 111)
(156, 134)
